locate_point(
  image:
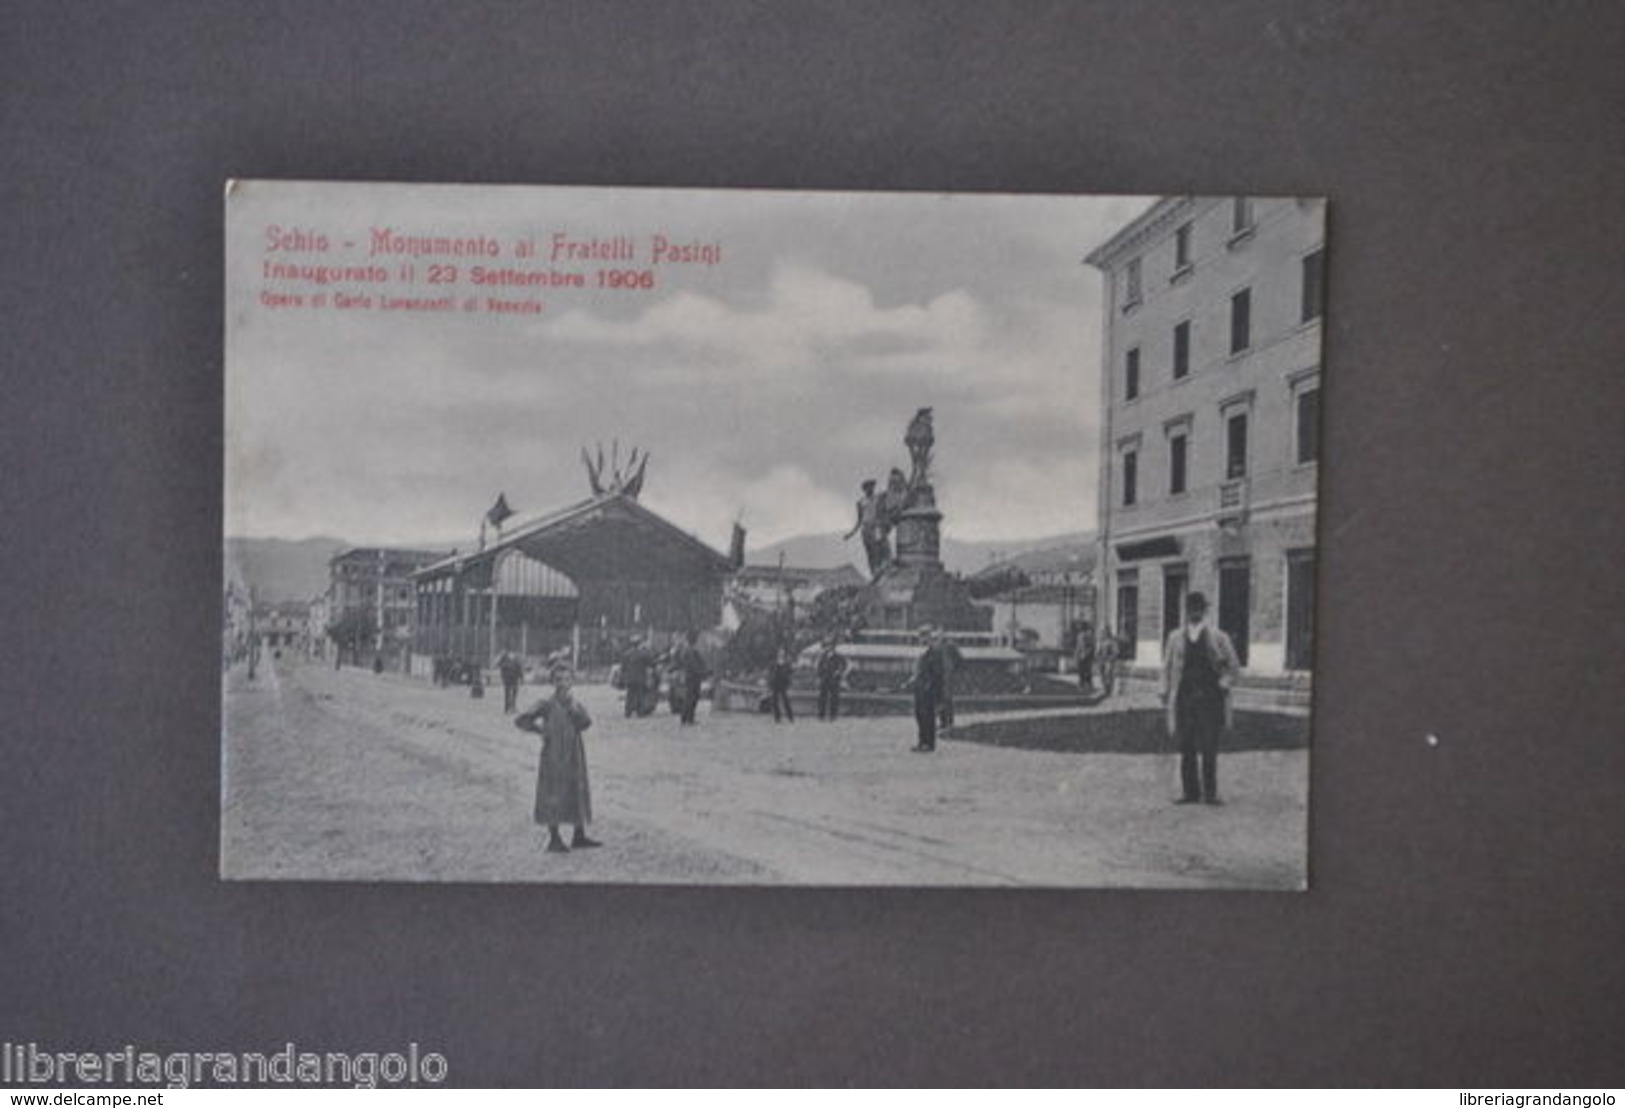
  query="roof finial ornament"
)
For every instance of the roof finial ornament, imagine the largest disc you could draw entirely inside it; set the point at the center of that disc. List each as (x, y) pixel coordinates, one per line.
(616, 481)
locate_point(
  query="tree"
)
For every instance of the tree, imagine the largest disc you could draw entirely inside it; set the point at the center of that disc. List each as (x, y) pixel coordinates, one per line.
(758, 640)
(354, 627)
(837, 611)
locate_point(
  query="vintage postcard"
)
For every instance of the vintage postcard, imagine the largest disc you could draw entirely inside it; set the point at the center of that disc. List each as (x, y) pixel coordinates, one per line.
(750, 537)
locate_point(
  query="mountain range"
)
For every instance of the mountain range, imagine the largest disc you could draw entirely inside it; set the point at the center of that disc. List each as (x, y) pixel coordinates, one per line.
(958, 555)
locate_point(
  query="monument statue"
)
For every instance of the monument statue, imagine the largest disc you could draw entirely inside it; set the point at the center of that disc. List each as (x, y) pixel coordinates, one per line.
(872, 524)
(902, 527)
(919, 439)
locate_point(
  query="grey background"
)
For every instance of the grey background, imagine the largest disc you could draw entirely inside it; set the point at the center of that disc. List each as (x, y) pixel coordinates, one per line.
(1464, 926)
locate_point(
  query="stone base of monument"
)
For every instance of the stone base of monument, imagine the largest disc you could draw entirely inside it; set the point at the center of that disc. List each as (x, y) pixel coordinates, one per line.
(908, 597)
(989, 678)
(915, 590)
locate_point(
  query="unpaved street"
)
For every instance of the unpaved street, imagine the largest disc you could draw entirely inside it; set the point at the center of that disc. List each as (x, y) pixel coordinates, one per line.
(356, 776)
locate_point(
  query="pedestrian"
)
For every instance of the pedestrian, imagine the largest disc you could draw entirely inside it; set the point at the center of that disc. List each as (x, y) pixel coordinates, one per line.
(635, 666)
(691, 669)
(1199, 667)
(562, 792)
(1085, 652)
(926, 681)
(512, 672)
(676, 680)
(951, 659)
(831, 668)
(778, 687)
(1106, 656)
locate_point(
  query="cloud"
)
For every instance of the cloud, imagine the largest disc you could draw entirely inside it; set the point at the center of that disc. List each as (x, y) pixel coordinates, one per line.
(810, 319)
(781, 503)
(769, 386)
(1021, 498)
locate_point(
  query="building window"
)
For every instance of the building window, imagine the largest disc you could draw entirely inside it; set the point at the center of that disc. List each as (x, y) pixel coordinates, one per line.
(1308, 415)
(1131, 374)
(1300, 609)
(1176, 582)
(1314, 284)
(1131, 477)
(1182, 248)
(1182, 350)
(1241, 216)
(1177, 444)
(1131, 283)
(1241, 321)
(1235, 455)
(1236, 603)
(1128, 614)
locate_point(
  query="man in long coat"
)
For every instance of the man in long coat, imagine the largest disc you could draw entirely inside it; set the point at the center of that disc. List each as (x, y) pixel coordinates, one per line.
(928, 681)
(831, 668)
(513, 673)
(1199, 667)
(562, 792)
(692, 670)
(635, 667)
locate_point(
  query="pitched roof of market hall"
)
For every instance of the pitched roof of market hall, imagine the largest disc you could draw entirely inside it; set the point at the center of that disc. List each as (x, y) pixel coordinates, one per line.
(609, 537)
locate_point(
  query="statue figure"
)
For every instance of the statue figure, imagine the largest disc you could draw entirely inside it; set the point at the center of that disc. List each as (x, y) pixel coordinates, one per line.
(907, 505)
(919, 439)
(873, 527)
(898, 495)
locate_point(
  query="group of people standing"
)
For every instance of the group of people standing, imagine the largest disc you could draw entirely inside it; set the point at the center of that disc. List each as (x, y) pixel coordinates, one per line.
(1199, 669)
(830, 669)
(682, 668)
(931, 681)
(1097, 655)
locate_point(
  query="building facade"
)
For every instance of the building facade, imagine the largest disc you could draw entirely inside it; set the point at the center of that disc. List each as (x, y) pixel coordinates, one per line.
(1210, 436)
(774, 586)
(281, 626)
(1040, 599)
(587, 579)
(370, 589)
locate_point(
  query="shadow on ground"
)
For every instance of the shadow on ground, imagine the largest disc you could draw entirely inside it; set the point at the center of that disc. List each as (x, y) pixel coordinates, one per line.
(1133, 731)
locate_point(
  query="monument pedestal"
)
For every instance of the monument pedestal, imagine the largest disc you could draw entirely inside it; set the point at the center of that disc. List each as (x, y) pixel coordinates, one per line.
(915, 590)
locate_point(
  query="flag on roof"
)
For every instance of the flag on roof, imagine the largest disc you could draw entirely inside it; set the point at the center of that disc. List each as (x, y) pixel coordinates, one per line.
(499, 511)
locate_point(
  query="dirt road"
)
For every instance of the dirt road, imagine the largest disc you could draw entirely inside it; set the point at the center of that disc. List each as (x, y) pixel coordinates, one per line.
(356, 776)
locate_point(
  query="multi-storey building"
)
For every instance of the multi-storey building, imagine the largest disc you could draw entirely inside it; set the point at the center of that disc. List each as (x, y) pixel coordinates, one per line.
(374, 586)
(1210, 438)
(281, 626)
(317, 620)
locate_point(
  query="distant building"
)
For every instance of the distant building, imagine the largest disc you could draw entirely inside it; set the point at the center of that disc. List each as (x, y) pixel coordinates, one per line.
(318, 617)
(1039, 599)
(768, 586)
(371, 587)
(1210, 442)
(281, 626)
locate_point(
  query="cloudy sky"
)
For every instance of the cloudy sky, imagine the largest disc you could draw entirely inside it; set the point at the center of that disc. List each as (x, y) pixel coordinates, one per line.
(765, 387)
